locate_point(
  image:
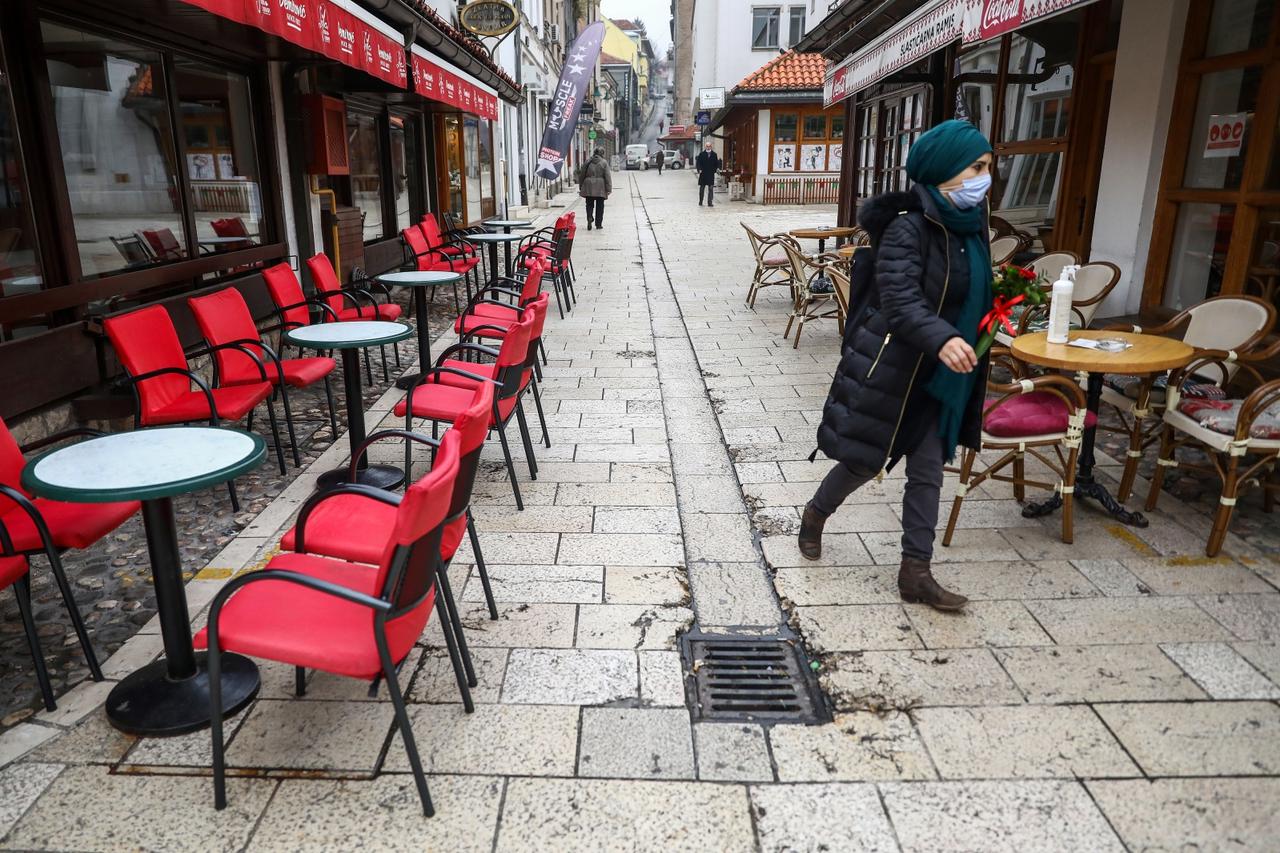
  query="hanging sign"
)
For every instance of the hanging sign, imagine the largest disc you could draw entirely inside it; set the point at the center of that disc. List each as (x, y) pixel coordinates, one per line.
(488, 17)
(291, 20)
(432, 80)
(1225, 136)
(567, 100)
(931, 27)
(711, 99)
(986, 19)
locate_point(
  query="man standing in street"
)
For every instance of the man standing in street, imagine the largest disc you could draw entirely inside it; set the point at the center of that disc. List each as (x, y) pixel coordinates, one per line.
(595, 184)
(662, 157)
(708, 164)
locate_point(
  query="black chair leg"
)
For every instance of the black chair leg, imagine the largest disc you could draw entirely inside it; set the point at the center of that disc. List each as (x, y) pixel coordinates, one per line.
(368, 369)
(275, 434)
(22, 590)
(542, 349)
(526, 440)
(333, 412)
(455, 658)
(395, 350)
(288, 422)
(386, 376)
(231, 490)
(299, 681)
(480, 567)
(542, 419)
(506, 452)
(449, 605)
(213, 666)
(406, 731)
(64, 587)
(248, 421)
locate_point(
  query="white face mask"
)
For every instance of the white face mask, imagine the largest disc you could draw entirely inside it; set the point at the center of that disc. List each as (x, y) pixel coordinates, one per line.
(971, 192)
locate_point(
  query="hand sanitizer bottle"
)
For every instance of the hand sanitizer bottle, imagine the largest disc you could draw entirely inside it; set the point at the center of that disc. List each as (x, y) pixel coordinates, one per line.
(1060, 305)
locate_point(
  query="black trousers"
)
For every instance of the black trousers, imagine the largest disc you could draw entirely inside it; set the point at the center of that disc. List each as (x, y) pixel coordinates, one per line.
(919, 500)
(710, 193)
(595, 210)
(659, 168)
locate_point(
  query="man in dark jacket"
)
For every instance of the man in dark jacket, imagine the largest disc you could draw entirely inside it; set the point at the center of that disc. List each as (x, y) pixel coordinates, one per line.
(708, 164)
(661, 158)
(595, 185)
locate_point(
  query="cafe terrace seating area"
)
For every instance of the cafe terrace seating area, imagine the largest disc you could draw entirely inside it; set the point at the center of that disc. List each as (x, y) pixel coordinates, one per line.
(1189, 392)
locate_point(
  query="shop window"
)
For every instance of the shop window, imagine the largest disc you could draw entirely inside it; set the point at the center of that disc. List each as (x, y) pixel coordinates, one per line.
(816, 150)
(784, 127)
(1041, 72)
(1201, 240)
(1027, 193)
(20, 270)
(837, 127)
(111, 107)
(1264, 264)
(815, 127)
(1238, 25)
(488, 200)
(216, 118)
(765, 23)
(1224, 111)
(401, 171)
(471, 155)
(366, 171)
(795, 25)
(978, 73)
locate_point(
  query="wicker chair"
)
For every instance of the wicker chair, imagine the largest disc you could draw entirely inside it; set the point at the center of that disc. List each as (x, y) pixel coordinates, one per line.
(1004, 248)
(771, 268)
(806, 303)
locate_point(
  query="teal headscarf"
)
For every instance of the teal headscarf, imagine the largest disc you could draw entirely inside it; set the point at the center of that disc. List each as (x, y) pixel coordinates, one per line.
(935, 158)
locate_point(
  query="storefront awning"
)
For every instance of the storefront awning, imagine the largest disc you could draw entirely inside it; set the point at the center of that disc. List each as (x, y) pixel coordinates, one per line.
(932, 27)
(438, 80)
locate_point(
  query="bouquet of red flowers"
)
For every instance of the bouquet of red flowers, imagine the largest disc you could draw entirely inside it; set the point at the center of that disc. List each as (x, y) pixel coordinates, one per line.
(1012, 285)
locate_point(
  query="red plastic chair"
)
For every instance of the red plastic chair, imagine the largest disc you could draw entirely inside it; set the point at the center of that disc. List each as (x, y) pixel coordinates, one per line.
(231, 226)
(163, 244)
(345, 618)
(426, 256)
(294, 309)
(430, 398)
(554, 247)
(349, 525)
(30, 526)
(329, 289)
(453, 244)
(240, 353)
(156, 367)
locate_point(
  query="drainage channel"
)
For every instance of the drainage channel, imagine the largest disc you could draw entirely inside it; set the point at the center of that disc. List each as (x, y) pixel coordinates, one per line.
(744, 662)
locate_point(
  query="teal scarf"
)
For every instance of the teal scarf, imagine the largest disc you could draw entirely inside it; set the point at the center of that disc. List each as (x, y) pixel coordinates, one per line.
(935, 158)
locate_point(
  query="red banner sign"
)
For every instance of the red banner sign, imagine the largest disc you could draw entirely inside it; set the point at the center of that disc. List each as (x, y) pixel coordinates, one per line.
(986, 19)
(431, 80)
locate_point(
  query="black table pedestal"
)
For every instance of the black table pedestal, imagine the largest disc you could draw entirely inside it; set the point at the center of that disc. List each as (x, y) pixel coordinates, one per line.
(420, 310)
(171, 696)
(1086, 486)
(378, 476)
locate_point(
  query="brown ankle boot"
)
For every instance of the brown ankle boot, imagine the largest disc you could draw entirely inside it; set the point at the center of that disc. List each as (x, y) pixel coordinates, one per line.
(810, 539)
(917, 586)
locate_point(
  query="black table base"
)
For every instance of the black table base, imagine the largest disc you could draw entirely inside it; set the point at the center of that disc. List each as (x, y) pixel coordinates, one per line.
(150, 702)
(378, 476)
(1086, 486)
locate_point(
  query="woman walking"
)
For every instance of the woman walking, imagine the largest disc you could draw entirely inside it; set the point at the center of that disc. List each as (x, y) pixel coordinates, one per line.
(910, 384)
(595, 185)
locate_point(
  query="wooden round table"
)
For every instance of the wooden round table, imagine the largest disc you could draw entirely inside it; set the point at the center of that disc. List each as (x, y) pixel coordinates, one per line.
(822, 234)
(1149, 356)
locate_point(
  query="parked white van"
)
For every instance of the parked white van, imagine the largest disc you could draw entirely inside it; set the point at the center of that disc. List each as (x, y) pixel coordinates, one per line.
(636, 155)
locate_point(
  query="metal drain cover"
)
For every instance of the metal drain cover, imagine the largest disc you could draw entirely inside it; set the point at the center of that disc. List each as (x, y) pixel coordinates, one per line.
(751, 678)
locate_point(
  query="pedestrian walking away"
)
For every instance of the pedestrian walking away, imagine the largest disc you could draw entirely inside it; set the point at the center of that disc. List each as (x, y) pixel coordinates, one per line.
(595, 185)
(662, 156)
(708, 164)
(909, 383)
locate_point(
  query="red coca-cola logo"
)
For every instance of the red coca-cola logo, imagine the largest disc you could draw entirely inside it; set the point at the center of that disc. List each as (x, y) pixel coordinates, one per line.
(998, 12)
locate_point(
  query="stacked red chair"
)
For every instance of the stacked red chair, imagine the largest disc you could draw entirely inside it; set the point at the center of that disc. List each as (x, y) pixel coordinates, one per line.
(363, 304)
(294, 309)
(350, 619)
(241, 357)
(31, 526)
(453, 244)
(427, 257)
(431, 398)
(156, 369)
(554, 247)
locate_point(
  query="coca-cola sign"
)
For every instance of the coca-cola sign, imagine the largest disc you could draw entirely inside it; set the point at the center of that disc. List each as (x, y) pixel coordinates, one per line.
(986, 19)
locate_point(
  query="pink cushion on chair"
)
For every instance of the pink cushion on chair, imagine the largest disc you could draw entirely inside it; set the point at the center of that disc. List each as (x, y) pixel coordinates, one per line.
(1037, 413)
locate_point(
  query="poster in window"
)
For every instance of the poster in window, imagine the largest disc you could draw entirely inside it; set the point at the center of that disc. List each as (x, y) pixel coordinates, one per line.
(784, 158)
(227, 166)
(813, 158)
(200, 167)
(835, 156)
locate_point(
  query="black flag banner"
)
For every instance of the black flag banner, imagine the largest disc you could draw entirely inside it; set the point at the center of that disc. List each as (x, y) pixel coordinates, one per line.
(563, 116)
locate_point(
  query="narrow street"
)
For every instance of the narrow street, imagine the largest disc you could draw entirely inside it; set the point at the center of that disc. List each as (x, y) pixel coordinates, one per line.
(1119, 692)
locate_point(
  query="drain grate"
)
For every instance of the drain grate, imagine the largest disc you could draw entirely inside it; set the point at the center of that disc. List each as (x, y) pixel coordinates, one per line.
(751, 678)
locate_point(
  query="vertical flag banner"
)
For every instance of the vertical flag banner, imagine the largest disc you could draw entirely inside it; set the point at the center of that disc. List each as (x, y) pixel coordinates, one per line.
(563, 115)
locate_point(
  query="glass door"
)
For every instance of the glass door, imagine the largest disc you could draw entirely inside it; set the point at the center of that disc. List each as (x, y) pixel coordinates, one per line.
(449, 156)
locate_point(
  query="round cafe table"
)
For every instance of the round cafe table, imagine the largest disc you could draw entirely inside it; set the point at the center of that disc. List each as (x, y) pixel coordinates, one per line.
(1149, 355)
(492, 240)
(822, 233)
(349, 338)
(169, 696)
(507, 224)
(420, 281)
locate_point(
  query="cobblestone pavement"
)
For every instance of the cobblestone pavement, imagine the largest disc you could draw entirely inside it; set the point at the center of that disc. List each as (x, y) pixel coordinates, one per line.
(1118, 692)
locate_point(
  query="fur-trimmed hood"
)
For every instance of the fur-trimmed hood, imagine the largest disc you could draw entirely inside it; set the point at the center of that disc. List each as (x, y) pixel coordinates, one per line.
(877, 212)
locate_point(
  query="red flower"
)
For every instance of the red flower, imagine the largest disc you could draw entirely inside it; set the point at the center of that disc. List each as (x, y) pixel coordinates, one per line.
(1026, 273)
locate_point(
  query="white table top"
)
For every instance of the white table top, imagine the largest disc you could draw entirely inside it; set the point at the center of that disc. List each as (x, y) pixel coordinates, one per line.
(353, 334)
(418, 278)
(509, 223)
(145, 463)
(216, 240)
(493, 238)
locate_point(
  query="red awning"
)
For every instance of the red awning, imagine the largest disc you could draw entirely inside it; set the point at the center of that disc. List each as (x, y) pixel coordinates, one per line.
(431, 79)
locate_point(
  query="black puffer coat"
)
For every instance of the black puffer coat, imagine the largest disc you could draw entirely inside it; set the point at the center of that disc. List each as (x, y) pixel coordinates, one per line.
(878, 408)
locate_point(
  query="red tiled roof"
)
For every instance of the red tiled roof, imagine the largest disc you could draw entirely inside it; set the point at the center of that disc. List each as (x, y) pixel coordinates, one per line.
(791, 70)
(624, 24)
(610, 59)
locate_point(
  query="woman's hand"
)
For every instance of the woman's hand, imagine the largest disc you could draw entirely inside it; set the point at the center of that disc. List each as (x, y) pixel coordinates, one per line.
(958, 356)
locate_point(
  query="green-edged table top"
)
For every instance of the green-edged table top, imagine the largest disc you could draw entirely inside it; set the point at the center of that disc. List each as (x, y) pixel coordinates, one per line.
(419, 278)
(158, 462)
(354, 334)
